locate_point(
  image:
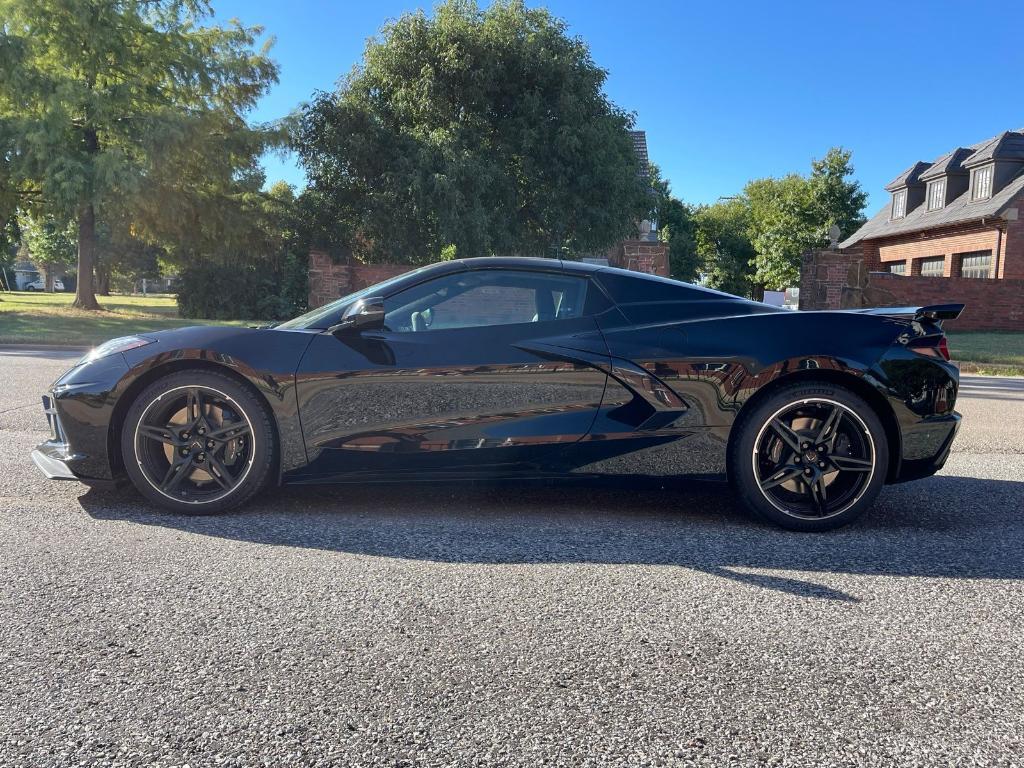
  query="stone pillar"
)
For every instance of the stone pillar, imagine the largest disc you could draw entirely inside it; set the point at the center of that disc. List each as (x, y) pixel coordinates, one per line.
(832, 279)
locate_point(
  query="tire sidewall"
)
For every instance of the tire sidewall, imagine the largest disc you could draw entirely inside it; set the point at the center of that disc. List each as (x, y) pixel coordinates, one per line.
(263, 440)
(741, 469)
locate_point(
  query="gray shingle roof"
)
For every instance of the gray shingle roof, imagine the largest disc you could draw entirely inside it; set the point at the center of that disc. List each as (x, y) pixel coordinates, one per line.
(908, 177)
(949, 164)
(1007, 145)
(959, 210)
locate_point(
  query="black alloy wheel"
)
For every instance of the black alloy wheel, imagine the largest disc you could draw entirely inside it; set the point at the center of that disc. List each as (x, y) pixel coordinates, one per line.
(198, 442)
(815, 458)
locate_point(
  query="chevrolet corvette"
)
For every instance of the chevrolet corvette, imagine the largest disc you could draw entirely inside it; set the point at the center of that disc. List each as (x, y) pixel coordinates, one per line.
(518, 367)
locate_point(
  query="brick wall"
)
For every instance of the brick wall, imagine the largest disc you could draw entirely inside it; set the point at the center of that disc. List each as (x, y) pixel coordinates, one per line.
(828, 278)
(1011, 265)
(640, 256)
(842, 280)
(329, 281)
(991, 305)
(1005, 238)
(947, 242)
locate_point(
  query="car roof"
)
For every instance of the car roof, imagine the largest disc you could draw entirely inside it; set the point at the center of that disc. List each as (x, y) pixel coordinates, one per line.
(515, 262)
(539, 264)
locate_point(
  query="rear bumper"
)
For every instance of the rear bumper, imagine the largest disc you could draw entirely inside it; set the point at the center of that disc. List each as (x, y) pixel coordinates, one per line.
(930, 444)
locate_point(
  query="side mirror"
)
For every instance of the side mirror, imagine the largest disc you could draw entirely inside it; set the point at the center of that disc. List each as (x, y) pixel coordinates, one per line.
(365, 315)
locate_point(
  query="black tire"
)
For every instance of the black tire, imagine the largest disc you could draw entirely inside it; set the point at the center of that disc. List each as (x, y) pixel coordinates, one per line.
(226, 458)
(794, 466)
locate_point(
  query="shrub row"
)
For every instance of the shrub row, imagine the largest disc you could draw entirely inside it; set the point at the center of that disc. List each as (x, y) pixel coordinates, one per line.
(213, 291)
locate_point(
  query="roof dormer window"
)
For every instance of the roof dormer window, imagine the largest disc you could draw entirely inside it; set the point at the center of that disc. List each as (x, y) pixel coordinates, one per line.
(936, 194)
(899, 204)
(981, 184)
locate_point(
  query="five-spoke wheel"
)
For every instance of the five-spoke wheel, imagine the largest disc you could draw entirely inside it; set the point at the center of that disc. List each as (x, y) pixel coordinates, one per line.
(198, 441)
(815, 457)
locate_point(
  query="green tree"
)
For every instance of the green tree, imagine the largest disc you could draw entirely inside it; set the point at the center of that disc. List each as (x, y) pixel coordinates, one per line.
(792, 214)
(676, 228)
(486, 130)
(783, 224)
(97, 96)
(723, 246)
(267, 273)
(838, 199)
(50, 244)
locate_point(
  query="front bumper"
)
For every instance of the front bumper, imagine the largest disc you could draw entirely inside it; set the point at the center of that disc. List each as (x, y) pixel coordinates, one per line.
(78, 410)
(51, 459)
(52, 456)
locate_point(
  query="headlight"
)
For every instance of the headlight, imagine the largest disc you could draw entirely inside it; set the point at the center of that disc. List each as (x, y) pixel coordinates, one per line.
(122, 344)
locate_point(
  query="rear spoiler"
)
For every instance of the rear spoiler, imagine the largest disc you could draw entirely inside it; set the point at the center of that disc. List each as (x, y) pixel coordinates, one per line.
(934, 312)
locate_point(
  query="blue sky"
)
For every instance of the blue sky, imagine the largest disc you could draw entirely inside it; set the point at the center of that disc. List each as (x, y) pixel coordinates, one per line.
(729, 91)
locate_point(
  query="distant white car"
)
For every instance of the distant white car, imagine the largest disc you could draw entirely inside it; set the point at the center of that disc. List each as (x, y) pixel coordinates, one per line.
(40, 285)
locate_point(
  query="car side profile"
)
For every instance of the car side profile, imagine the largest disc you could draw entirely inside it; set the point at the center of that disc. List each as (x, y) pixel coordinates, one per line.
(39, 284)
(520, 367)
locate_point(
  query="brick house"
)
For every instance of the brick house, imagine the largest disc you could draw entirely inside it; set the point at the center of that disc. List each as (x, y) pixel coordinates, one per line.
(958, 216)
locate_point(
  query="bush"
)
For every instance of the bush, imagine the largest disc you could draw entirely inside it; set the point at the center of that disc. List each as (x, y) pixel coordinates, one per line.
(213, 291)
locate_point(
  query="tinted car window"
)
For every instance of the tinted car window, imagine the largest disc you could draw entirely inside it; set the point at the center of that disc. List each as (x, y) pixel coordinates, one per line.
(630, 289)
(484, 298)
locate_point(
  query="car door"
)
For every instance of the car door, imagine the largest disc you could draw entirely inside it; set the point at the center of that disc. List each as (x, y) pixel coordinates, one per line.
(473, 372)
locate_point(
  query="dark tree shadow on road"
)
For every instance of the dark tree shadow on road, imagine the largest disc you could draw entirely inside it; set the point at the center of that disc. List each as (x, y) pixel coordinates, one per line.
(940, 527)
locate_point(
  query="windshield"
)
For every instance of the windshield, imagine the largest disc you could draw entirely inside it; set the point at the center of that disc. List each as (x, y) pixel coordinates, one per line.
(329, 314)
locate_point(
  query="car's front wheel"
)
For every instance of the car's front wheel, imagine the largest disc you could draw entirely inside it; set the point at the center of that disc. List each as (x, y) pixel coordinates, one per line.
(811, 457)
(198, 442)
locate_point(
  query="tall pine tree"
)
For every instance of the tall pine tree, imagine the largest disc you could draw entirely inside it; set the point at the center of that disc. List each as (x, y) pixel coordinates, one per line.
(96, 96)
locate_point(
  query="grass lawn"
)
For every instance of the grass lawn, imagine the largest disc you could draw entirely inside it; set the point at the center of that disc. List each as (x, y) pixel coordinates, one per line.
(989, 348)
(48, 318)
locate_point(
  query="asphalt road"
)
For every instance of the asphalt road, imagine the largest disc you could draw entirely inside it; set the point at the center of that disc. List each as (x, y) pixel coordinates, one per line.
(512, 625)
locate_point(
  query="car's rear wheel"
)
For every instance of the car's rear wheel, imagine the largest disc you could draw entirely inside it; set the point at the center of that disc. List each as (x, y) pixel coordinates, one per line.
(198, 442)
(811, 457)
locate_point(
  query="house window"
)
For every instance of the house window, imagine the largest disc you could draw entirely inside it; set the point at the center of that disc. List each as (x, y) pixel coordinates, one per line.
(982, 189)
(977, 264)
(899, 204)
(933, 267)
(898, 268)
(936, 194)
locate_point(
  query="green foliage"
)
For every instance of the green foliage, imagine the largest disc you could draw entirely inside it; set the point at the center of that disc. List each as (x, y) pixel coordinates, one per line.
(723, 246)
(792, 214)
(10, 237)
(782, 227)
(677, 227)
(265, 278)
(109, 106)
(214, 291)
(50, 244)
(124, 259)
(486, 130)
(837, 198)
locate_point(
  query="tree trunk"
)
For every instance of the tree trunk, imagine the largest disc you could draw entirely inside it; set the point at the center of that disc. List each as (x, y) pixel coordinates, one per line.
(102, 278)
(85, 298)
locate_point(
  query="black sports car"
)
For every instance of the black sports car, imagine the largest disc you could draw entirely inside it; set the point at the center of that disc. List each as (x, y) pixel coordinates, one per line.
(489, 367)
